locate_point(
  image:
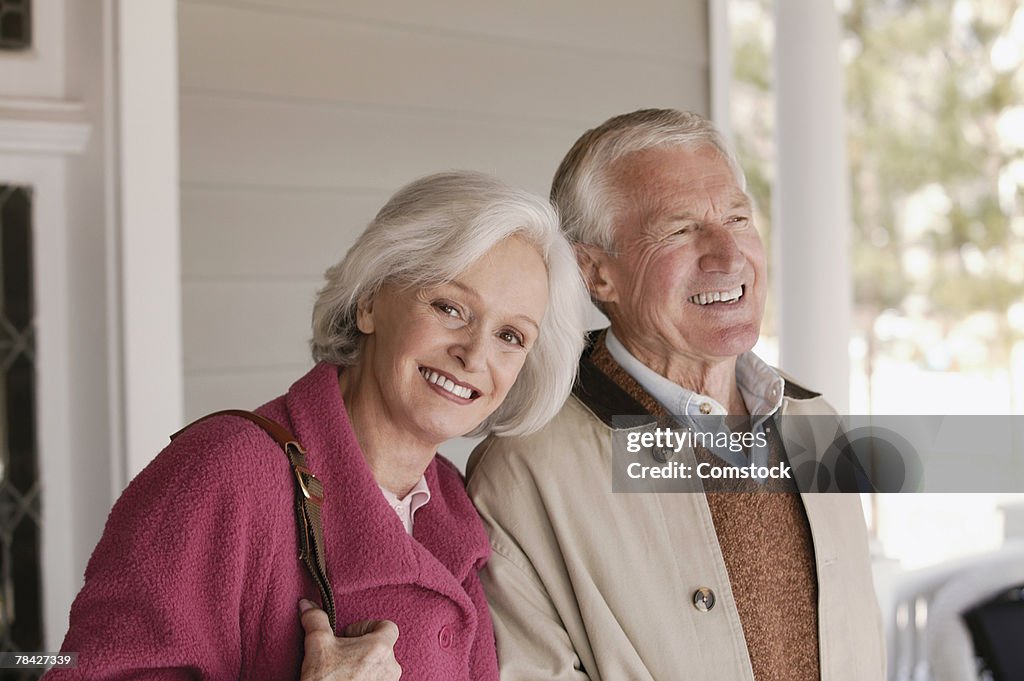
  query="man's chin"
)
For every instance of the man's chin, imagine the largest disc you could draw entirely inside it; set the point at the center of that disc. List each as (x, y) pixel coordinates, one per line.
(733, 343)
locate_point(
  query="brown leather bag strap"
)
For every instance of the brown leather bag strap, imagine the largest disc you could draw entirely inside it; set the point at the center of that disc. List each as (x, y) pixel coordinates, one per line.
(309, 498)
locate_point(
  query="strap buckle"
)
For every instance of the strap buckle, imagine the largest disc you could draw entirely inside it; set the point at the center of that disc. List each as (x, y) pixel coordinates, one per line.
(306, 479)
(302, 474)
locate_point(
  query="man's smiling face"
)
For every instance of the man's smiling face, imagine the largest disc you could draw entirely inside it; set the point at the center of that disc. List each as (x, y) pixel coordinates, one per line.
(688, 276)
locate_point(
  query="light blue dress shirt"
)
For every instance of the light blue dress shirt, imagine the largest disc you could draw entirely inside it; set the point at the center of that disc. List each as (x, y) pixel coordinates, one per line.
(759, 384)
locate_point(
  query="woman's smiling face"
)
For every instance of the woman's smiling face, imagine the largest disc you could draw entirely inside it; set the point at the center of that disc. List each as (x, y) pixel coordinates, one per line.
(443, 359)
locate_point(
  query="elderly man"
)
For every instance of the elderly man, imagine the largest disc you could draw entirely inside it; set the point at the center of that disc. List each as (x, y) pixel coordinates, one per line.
(585, 583)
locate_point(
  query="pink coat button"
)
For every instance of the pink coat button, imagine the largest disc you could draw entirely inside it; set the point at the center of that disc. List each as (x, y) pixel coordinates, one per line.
(444, 637)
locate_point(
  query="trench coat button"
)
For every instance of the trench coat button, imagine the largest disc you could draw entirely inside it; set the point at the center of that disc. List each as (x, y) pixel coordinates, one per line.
(705, 408)
(703, 599)
(662, 454)
(444, 637)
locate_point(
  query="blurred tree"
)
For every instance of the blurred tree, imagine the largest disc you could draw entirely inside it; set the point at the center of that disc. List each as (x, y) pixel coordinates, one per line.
(935, 123)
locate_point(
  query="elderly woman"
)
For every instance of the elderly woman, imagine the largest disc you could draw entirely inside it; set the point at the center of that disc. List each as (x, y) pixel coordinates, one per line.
(458, 311)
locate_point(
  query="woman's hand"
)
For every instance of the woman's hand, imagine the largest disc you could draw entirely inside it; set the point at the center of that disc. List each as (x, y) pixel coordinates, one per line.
(364, 651)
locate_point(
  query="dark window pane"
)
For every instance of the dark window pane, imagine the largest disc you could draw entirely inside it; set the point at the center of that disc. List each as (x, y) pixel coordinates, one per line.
(20, 527)
(15, 24)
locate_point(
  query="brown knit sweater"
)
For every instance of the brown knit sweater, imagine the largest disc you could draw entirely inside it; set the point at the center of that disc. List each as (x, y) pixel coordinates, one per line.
(766, 544)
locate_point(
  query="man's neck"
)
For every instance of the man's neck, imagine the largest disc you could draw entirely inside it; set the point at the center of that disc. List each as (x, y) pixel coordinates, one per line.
(712, 377)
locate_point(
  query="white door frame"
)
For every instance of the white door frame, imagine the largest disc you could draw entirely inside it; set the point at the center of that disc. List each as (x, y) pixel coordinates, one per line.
(103, 167)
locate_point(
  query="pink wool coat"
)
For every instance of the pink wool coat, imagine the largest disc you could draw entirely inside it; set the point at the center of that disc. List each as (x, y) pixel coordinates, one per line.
(196, 575)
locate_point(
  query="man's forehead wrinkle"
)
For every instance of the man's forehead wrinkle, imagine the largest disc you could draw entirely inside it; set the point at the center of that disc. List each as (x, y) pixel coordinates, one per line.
(634, 198)
(681, 207)
(648, 196)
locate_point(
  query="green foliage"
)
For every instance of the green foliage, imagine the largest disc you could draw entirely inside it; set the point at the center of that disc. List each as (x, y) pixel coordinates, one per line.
(961, 294)
(923, 105)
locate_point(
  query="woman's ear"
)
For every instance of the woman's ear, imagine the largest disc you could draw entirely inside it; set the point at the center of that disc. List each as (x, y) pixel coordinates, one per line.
(593, 262)
(364, 315)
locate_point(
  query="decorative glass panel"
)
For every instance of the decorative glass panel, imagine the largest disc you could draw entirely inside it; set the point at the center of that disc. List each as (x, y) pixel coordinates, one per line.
(15, 24)
(20, 603)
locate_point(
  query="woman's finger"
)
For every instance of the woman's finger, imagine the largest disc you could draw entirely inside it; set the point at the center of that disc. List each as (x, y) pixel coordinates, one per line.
(313, 618)
(386, 628)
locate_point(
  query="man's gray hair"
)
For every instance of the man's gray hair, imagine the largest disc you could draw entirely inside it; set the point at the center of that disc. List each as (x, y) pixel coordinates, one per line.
(583, 189)
(427, 234)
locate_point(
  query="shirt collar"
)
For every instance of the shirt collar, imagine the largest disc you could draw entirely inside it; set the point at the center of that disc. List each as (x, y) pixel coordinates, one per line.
(417, 497)
(760, 385)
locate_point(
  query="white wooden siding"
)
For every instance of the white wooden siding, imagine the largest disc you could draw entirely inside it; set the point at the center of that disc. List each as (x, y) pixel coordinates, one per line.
(300, 117)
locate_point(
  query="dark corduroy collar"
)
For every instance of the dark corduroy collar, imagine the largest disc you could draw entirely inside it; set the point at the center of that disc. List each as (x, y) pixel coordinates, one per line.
(605, 398)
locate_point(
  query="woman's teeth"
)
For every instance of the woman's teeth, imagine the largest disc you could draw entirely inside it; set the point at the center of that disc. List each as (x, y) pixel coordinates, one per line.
(730, 296)
(446, 384)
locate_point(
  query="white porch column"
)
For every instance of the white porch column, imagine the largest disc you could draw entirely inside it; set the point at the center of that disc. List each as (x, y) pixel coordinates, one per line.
(147, 77)
(812, 216)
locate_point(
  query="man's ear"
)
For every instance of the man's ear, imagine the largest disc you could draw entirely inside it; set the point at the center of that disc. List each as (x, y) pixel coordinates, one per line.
(364, 314)
(594, 264)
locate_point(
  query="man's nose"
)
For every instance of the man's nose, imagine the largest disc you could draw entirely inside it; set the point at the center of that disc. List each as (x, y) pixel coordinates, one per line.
(721, 252)
(470, 349)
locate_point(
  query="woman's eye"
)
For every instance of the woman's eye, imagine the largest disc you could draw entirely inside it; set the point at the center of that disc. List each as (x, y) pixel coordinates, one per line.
(511, 337)
(447, 309)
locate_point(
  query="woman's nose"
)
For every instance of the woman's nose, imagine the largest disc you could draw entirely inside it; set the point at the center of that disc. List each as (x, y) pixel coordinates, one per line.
(470, 350)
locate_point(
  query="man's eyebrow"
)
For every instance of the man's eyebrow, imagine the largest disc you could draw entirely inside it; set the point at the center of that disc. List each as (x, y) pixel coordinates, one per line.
(740, 201)
(680, 213)
(472, 292)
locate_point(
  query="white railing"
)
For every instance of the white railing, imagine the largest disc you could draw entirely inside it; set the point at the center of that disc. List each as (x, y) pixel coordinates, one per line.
(926, 639)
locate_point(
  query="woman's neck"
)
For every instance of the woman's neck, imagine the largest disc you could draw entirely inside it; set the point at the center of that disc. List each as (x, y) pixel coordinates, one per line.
(397, 459)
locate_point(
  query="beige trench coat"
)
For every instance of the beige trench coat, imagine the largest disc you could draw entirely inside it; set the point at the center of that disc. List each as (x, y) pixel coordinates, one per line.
(584, 583)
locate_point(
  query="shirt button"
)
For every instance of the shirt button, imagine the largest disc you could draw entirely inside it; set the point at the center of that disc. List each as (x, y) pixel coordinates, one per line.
(703, 599)
(444, 637)
(705, 408)
(662, 454)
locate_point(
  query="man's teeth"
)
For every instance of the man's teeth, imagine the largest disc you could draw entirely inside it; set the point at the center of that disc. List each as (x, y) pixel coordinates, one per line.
(729, 296)
(446, 383)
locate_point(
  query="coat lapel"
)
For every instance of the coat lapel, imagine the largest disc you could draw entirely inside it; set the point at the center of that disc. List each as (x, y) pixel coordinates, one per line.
(367, 545)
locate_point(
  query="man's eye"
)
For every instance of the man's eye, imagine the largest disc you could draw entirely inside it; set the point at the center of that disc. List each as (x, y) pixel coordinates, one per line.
(739, 222)
(510, 337)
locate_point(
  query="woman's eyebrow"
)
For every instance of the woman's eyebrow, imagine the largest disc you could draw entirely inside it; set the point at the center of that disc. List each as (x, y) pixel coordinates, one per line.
(468, 290)
(529, 321)
(472, 292)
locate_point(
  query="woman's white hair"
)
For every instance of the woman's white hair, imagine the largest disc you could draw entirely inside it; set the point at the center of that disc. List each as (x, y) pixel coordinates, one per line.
(583, 188)
(431, 231)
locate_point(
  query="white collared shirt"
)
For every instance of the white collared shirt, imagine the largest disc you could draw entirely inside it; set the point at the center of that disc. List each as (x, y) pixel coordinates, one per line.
(406, 508)
(760, 386)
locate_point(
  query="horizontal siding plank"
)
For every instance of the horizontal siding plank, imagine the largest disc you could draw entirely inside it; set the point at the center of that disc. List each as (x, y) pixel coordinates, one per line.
(300, 117)
(662, 28)
(307, 58)
(205, 393)
(278, 143)
(245, 325)
(247, 233)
